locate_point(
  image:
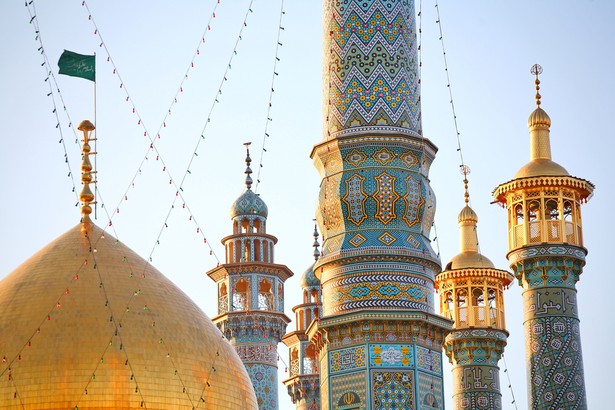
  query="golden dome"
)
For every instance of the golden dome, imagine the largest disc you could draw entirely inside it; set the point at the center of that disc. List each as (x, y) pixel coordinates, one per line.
(469, 259)
(467, 214)
(541, 167)
(91, 325)
(539, 117)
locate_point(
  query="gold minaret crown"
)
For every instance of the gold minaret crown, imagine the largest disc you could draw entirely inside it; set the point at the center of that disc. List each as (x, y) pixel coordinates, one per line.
(86, 196)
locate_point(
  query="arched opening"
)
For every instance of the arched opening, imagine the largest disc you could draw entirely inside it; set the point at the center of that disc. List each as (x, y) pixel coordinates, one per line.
(553, 220)
(257, 250)
(265, 295)
(309, 361)
(533, 216)
(478, 306)
(462, 307)
(222, 299)
(314, 296)
(235, 227)
(305, 296)
(281, 297)
(294, 362)
(570, 225)
(448, 305)
(245, 225)
(308, 317)
(238, 252)
(316, 313)
(230, 252)
(493, 307)
(257, 225)
(241, 295)
(266, 252)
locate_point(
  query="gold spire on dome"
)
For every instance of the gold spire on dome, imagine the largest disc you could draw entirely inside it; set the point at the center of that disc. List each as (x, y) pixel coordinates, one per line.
(248, 169)
(469, 257)
(86, 196)
(539, 124)
(316, 244)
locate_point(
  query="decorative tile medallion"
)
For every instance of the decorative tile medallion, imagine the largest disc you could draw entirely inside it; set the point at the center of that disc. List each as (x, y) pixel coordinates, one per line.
(392, 390)
(389, 355)
(385, 197)
(386, 238)
(346, 359)
(355, 199)
(383, 156)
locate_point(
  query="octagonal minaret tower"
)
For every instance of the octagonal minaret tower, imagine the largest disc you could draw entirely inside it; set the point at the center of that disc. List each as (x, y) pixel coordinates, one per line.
(379, 339)
(251, 293)
(546, 254)
(302, 383)
(471, 293)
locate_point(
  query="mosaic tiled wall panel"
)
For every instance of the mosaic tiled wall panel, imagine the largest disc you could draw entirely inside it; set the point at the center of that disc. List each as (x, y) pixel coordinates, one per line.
(429, 360)
(430, 392)
(392, 390)
(346, 359)
(265, 381)
(370, 72)
(553, 342)
(476, 387)
(389, 355)
(349, 390)
(376, 212)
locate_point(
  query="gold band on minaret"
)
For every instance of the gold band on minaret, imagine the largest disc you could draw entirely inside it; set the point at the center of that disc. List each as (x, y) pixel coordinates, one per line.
(86, 196)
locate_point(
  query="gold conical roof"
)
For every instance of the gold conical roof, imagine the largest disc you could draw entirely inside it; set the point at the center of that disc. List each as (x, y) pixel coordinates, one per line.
(86, 323)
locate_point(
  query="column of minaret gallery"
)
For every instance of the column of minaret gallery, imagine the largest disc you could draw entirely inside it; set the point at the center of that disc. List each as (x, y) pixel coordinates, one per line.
(379, 341)
(251, 293)
(546, 253)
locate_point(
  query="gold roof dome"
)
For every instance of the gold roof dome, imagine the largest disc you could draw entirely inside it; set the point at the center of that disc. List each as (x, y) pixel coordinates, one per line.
(86, 323)
(539, 117)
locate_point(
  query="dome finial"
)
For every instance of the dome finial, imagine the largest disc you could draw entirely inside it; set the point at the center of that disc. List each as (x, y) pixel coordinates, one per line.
(316, 244)
(248, 162)
(465, 171)
(537, 70)
(86, 196)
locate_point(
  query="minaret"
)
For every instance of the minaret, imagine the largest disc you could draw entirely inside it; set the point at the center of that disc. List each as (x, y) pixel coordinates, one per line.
(251, 293)
(303, 386)
(546, 254)
(472, 294)
(379, 340)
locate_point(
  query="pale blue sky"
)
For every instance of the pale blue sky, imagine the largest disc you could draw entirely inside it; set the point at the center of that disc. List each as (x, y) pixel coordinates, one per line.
(491, 46)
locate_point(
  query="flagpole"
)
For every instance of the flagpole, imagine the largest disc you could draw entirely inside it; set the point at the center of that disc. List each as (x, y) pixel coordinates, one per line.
(95, 150)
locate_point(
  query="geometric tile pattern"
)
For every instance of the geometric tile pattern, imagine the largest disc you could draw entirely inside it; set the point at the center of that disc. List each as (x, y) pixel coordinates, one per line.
(355, 199)
(348, 385)
(265, 381)
(552, 338)
(345, 359)
(429, 360)
(385, 197)
(414, 201)
(430, 395)
(371, 67)
(392, 390)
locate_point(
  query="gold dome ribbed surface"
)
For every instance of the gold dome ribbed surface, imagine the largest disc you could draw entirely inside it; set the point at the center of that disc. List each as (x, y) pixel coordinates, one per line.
(469, 259)
(539, 117)
(112, 333)
(541, 167)
(467, 214)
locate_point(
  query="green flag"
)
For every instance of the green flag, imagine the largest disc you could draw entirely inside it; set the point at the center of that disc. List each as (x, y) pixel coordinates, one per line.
(77, 65)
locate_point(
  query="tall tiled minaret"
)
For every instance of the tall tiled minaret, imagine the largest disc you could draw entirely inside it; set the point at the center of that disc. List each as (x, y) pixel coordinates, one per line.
(302, 383)
(251, 294)
(379, 340)
(471, 293)
(546, 254)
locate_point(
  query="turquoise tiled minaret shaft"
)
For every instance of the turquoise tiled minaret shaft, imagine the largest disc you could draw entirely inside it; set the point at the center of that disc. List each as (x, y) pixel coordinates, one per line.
(546, 254)
(379, 340)
(251, 294)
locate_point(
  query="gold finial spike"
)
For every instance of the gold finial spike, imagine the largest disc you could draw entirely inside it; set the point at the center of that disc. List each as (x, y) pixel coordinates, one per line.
(248, 162)
(465, 171)
(537, 70)
(86, 196)
(316, 244)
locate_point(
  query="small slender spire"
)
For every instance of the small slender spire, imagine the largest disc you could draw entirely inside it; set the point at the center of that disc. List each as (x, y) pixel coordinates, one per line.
(537, 70)
(248, 169)
(86, 196)
(316, 244)
(465, 171)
